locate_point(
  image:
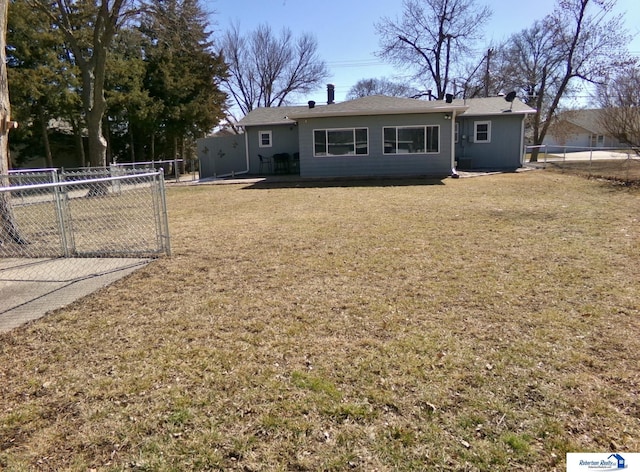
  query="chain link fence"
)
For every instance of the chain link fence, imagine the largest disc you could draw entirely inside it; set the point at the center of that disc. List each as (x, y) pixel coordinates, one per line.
(616, 164)
(44, 214)
(63, 233)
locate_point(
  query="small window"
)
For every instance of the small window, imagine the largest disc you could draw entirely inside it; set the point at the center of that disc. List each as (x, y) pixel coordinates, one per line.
(265, 139)
(456, 132)
(482, 131)
(597, 140)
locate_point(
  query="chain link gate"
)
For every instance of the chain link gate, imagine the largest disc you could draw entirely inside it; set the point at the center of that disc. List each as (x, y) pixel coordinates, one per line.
(46, 214)
(63, 232)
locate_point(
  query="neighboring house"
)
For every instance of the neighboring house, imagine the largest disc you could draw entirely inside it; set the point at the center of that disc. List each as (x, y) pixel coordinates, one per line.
(375, 136)
(26, 148)
(578, 130)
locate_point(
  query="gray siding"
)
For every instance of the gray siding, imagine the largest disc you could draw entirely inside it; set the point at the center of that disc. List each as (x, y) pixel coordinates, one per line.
(503, 152)
(284, 139)
(221, 156)
(376, 163)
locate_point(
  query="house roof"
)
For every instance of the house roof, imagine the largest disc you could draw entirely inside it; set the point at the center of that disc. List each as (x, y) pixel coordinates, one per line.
(493, 106)
(382, 105)
(378, 105)
(588, 119)
(270, 116)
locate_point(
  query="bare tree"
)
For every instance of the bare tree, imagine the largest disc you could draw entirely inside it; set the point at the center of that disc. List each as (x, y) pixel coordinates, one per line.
(265, 70)
(531, 63)
(579, 42)
(367, 87)
(619, 98)
(432, 37)
(89, 28)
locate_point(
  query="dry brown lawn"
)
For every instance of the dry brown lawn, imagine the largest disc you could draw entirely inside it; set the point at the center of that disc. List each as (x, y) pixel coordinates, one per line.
(474, 324)
(623, 171)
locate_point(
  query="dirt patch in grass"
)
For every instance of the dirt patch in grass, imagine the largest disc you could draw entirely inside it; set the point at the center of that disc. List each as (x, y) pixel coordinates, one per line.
(483, 324)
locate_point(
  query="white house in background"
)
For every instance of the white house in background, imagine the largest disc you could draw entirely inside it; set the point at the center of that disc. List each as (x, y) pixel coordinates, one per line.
(577, 130)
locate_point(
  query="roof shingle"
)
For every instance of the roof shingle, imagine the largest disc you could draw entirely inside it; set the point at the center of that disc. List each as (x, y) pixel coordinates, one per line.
(383, 105)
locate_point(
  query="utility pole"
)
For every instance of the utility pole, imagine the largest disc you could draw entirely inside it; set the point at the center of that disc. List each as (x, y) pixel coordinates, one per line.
(487, 76)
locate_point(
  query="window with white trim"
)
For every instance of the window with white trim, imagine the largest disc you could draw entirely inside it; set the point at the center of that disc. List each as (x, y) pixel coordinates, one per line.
(411, 139)
(482, 131)
(340, 142)
(265, 139)
(597, 140)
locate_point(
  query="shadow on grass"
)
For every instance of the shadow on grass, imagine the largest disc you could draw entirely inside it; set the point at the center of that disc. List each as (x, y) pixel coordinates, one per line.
(299, 182)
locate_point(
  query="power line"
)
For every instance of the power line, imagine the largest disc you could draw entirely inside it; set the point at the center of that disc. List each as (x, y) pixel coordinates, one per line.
(356, 63)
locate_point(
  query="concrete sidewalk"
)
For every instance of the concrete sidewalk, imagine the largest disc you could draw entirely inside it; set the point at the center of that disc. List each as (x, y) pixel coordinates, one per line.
(29, 288)
(586, 156)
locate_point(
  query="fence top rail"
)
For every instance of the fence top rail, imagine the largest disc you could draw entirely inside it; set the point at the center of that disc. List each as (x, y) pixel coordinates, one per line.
(124, 164)
(73, 183)
(32, 171)
(582, 148)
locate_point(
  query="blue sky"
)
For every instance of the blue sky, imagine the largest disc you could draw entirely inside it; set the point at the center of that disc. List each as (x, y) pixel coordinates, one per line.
(346, 36)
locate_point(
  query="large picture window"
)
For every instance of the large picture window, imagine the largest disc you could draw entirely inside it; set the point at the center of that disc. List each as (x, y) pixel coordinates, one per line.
(411, 140)
(340, 142)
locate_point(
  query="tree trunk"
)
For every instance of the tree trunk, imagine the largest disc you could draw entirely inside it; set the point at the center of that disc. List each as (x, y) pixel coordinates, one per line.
(97, 143)
(4, 91)
(106, 133)
(45, 136)
(132, 143)
(153, 146)
(79, 142)
(534, 154)
(8, 228)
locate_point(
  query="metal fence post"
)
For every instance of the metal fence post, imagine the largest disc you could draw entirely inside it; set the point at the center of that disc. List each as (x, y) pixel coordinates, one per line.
(66, 239)
(162, 217)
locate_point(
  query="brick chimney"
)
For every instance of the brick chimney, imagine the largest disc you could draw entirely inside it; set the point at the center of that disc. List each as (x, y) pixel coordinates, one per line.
(331, 94)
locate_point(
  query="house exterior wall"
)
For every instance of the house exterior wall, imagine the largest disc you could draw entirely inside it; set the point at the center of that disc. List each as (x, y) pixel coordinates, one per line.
(222, 156)
(375, 163)
(503, 151)
(284, 139)
(579, 140)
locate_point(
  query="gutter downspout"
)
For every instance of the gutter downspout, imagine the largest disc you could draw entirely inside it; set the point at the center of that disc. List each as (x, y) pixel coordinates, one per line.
(522, 141)
(454, 172)
(246, 150)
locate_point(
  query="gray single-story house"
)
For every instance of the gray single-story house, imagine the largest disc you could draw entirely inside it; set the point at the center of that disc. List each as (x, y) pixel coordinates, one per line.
(374, 136)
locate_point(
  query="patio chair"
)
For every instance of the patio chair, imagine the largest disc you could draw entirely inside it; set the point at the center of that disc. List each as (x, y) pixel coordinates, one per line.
(265, 162)
(281, 163)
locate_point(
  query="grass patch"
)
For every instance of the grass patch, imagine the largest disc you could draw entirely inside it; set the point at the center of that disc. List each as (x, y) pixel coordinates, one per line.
(481, 324)
(625, 171)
